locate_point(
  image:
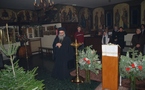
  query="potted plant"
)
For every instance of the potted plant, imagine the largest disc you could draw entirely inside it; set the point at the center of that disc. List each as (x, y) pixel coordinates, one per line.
(89, 61)
(132, 66)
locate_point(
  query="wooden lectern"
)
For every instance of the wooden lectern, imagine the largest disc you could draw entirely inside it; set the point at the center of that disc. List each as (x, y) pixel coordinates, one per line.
(110, 72)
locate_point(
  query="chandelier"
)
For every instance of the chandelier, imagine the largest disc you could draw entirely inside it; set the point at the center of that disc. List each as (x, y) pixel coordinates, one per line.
(43, 5)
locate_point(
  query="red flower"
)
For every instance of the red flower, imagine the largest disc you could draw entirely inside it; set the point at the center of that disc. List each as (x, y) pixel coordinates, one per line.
(140, 67)
(133, 65)
(127, 69)
(88, 62)
(85, 59)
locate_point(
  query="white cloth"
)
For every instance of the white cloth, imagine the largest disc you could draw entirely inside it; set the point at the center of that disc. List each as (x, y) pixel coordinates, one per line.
(107, 39)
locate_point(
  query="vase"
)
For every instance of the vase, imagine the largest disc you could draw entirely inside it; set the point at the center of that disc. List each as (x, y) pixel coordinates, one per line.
(132, 83)
(87, 76)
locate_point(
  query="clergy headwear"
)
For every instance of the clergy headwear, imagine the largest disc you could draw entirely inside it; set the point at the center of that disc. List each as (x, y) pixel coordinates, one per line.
(61, 29)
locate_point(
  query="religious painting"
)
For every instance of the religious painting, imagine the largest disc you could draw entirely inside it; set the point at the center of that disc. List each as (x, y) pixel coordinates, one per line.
(68, 14)
(11, 34)
(121, 15)
(51, 30)
(26, 16)
(85, 19)
(24, 30)
(98, 18)
(36, 31)
(8, 15)
(41, 31)
(30, 32)
(54, 15)
(135, 16)
(109, 18)
(143, 12)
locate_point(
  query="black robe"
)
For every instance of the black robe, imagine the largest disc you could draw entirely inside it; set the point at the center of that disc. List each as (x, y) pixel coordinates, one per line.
(138, 39)
(114, 36)
(120, 39)
(62, 56)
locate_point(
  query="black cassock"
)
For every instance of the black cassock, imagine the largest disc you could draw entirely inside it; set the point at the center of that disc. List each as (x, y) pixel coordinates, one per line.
(62, 57)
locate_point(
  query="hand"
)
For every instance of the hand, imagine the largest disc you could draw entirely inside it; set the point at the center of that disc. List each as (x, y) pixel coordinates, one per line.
(58, 45)
(138, 45)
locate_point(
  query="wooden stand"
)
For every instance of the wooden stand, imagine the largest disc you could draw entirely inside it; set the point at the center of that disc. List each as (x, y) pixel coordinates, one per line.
(110, 72)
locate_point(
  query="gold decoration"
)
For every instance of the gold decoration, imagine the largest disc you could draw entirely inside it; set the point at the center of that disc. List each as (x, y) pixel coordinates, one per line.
(77, 78)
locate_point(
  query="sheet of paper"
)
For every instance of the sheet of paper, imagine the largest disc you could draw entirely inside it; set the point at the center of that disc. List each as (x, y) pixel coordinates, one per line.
(110, 50)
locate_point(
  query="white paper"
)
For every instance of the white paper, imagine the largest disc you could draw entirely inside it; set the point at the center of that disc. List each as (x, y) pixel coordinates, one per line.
(110, 50)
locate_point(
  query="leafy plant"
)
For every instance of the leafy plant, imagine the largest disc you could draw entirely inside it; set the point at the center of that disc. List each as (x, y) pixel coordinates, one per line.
(23, 80)
(14, 77)
(88, 60)
(132, 64)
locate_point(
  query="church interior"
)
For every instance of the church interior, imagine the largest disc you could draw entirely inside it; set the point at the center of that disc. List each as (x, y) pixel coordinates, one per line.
(33, 25)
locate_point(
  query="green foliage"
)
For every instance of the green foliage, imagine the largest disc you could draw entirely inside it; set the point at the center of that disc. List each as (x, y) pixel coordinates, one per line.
(12, 49)
(14, 77)
(88, 60)
(24, 80)
(132, 64)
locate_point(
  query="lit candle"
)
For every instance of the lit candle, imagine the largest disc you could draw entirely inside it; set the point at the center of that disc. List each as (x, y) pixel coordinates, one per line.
(7, 32)
(35, 2)
(120, 80)
(52, 2)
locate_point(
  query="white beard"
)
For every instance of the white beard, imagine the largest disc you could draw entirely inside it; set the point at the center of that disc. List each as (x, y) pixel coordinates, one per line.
(61, 37)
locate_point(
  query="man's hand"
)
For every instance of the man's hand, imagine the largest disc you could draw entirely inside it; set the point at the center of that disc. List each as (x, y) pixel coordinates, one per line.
(58, 45)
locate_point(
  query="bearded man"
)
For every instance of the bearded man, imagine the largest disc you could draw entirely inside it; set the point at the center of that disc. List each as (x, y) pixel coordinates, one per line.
(63, 52)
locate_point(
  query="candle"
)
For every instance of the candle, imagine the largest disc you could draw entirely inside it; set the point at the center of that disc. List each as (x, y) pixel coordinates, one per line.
(120, 80)
(6, 26)
(52, 2)
(7, 32)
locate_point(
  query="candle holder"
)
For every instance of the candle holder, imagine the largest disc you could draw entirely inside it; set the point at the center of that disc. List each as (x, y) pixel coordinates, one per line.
(77, 78)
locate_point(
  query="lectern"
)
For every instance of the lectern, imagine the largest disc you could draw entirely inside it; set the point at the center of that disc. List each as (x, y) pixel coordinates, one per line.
(110, 62)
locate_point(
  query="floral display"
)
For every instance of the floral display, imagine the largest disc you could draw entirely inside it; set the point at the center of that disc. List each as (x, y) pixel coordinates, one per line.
(132, 66)
(88, 60)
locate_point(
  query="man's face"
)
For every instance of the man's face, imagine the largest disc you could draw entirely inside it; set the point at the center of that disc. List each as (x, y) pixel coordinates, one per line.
(104, 33)
(115, 28)
(61, 33)
(120, 29)
(138, 31)
(79, 29)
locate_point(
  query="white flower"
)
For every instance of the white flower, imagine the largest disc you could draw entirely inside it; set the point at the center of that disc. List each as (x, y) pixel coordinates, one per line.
(82, 62)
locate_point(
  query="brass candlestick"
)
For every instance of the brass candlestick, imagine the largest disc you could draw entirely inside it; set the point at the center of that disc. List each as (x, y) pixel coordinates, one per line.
(77, 78)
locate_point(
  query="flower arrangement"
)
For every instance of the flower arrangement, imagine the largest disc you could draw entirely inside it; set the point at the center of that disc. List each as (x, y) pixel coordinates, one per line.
(88, 60)
(132, 64)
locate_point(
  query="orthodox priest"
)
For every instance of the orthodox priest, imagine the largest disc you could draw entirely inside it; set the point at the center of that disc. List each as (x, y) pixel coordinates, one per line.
(63, 54)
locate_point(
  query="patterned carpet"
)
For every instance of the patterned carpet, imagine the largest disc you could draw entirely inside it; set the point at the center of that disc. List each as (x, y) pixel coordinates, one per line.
(54, 84)
(45, 65)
